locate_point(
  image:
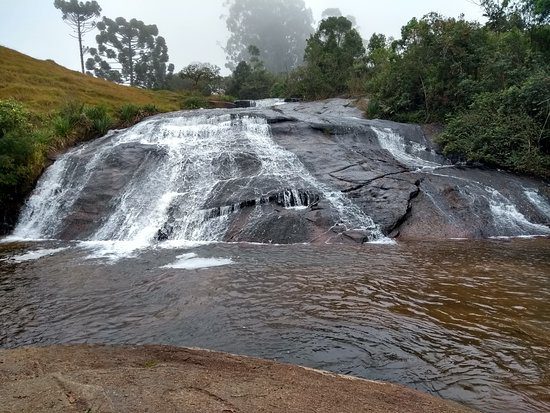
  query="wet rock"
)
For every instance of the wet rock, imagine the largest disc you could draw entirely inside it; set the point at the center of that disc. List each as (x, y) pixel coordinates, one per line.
(244, 103)
(387, 200)
(357, 235)
(101, 192)
(416, 196)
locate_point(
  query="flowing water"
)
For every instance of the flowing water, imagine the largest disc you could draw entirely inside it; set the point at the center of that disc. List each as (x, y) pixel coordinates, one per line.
(507, 219)
(194, 159)
(468, 321)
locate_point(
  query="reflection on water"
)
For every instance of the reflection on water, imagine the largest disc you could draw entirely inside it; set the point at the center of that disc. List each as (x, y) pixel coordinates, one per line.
(469, 321)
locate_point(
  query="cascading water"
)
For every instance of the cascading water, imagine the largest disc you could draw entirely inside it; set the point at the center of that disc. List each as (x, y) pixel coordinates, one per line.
(56, 192)
(507, 219)
(406, 152)
(538, 201)
(197, 172)
(266, 103)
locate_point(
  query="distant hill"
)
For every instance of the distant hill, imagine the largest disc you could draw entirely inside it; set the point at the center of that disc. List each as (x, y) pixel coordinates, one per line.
(44, 86)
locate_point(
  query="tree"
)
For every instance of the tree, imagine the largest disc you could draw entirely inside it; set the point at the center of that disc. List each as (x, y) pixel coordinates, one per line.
(488, 84)
(278, 28)
(503, 15)
(332, 54)
(80, 17)
(140, 53)
(205, 76)
(250, 80)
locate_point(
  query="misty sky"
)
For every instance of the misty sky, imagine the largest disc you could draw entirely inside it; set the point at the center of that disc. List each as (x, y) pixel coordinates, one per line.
(193, 28)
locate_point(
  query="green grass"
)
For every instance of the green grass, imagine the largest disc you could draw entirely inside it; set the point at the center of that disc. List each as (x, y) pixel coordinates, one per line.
(44, 87)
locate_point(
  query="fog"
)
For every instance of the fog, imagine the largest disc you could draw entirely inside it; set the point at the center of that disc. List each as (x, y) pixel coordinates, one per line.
(194, 30)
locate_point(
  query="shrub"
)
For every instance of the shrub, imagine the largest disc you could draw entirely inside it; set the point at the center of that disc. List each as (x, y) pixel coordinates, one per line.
(194, 102)
(99, 118)
(373, 109)
(130, 114)
(492, 132)
(12, 116)
(277, 90)
(127, 113)
(62, 126)
(150, 109)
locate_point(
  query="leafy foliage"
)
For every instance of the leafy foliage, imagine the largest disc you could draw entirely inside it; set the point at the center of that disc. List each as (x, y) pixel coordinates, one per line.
(489, 84)
(278, 28)
(13, 116)
(336, 12)
(333, 56)
(251, 80)
(195, 102)
(80, 17)
(205, 77)
(130, 114)
(141, 55)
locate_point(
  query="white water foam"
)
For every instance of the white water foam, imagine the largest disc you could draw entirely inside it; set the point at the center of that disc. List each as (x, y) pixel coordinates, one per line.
(56, 192)
(538, 201)
(407, 153)
(506, 215)
(112, 250)
(190, 261)
(35, 255)
(267, 103)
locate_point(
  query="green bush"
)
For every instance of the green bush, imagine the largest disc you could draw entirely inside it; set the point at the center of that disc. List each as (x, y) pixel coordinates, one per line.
(277, 90)
(21, 153)
(194, 102)
(130, 114)
(68, 122)
(373, 109)
(62, 126)
(150, 109)
(127, 113)
(99, 118)
(496, 133)
(12, 116)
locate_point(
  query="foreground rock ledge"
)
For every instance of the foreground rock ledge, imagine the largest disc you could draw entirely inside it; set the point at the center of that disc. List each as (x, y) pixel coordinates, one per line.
(169, 379)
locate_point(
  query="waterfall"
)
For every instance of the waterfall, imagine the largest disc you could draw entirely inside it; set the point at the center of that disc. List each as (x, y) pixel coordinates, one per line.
(538, 201)
(56, 192)
(198, 172)
(507, 219)
(409, 153)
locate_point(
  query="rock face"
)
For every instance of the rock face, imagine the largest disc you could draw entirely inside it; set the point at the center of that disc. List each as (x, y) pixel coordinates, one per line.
(169, 379)
(299, 172)
(394, 173)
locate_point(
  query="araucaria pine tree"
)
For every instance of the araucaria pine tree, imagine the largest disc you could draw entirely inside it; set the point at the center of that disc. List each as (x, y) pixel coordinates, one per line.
(80, 17)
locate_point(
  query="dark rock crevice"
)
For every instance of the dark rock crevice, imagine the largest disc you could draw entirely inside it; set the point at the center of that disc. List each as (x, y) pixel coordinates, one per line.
(394, 232)
(363, 184)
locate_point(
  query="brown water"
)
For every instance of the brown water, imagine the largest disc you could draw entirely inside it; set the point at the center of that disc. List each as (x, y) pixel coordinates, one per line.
(465, 320)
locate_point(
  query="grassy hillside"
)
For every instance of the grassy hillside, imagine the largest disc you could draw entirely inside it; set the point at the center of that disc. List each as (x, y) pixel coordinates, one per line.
(44, 86)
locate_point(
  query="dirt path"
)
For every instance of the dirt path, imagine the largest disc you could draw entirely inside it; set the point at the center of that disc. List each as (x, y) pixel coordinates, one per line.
(169, 379)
